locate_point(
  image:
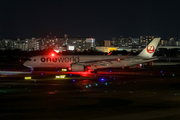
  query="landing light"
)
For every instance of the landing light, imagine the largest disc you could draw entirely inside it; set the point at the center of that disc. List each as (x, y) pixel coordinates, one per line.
(52, 55)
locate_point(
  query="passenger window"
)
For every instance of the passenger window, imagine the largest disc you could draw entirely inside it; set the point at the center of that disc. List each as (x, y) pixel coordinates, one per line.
(34, 59)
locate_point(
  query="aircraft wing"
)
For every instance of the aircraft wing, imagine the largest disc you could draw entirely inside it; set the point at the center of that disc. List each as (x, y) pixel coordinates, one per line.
(104, 62)
(97, 62)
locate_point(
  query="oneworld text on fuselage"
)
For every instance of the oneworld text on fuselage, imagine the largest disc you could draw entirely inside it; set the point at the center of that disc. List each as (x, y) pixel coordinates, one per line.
(60, 59)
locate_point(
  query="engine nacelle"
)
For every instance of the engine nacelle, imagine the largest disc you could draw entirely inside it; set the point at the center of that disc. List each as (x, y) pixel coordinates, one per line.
(77, 67)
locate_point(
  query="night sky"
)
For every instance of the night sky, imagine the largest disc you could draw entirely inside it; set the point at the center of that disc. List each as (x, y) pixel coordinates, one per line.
(99, 19)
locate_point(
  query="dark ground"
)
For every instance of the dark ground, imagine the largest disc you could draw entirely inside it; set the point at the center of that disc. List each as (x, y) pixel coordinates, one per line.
(152, 93)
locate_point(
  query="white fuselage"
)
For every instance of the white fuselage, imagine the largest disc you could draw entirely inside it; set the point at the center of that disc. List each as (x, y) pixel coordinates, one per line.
(64, 61)
(99, 61)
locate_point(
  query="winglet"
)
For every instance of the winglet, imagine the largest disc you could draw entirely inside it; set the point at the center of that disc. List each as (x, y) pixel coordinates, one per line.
(150, 49)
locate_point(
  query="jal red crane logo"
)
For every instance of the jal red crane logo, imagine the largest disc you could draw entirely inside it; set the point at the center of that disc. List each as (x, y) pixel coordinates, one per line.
(150, 49)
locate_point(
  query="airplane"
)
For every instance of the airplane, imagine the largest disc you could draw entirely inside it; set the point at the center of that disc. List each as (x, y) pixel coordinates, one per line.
(91, 63)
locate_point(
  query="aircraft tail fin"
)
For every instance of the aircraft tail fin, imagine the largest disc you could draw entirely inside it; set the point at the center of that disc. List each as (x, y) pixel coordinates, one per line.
(150, 49)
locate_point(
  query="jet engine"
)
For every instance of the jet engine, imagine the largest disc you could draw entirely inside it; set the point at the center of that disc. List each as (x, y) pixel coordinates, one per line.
(77, 67)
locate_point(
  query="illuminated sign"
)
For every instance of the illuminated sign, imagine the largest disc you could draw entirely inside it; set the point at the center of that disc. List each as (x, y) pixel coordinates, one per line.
(64, 69)
(27, 78)
(71, 47)
(61, 76)
(112, 49)
(60, 59)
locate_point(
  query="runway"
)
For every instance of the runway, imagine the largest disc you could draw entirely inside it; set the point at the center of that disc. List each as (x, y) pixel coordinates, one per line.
(151, 93)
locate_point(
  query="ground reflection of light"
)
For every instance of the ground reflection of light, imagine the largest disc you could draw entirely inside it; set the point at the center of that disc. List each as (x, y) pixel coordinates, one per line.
(84, 82)
(51, 93)
(84, 74)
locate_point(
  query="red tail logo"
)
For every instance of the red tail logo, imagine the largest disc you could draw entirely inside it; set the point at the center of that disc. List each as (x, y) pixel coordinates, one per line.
(150, 49)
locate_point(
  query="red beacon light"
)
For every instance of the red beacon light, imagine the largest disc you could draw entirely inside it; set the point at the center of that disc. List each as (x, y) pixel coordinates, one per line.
(52, 55)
